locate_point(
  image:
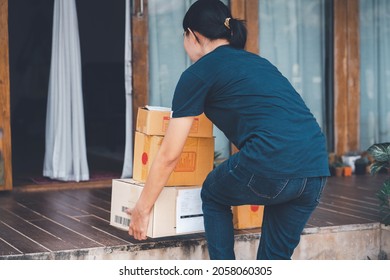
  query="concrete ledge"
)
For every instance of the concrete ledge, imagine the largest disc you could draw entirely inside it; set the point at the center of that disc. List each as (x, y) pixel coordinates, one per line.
(385, 241)
(348, 242)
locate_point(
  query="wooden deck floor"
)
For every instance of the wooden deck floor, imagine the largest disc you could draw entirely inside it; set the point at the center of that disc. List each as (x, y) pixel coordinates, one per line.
(41, 220)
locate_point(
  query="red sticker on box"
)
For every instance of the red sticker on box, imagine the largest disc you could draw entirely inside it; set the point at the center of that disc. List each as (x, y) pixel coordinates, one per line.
(144, 158)
(254, 208)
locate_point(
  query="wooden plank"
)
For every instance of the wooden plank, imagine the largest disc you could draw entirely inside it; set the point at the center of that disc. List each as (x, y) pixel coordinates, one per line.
(5, 122)
(353, 45)
(21, 211)
(8, 249)
(31, 187)
(6, 198)
(105, 226)
(342, 218)
(68, 239)
(340, 76)
(357, 202)
(80, 201)
(140, 58)
(252, 23)
(83, 202)
(104, 193)
(35, 233)
(84, 237)
(373, 182)
(237, 8)
(70, 229)
(346, 189)
(352, 210)
(47, 203)
(20, 241)
(350, 192)
(347, 75)
(320, 218)
(61, 203)
(90, 198)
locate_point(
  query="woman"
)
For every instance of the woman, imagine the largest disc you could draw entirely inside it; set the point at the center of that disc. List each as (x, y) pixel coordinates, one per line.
(282, 160)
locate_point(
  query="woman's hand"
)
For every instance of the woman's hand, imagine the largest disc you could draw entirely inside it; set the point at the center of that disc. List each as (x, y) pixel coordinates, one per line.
(139, 221)
(163, 165)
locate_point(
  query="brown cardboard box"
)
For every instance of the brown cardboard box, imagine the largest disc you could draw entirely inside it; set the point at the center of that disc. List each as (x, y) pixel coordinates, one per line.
(176, 211)
(195, 163)
(154, 121)
(247, 216)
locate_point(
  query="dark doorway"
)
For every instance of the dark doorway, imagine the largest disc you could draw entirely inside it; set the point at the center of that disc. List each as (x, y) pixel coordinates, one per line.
(101, 30)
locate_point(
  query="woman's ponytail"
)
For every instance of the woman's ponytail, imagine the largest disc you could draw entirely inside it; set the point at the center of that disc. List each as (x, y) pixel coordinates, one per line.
(238, 33)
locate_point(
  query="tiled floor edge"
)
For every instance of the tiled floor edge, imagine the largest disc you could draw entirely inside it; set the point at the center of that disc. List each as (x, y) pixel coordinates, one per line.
(193, 246)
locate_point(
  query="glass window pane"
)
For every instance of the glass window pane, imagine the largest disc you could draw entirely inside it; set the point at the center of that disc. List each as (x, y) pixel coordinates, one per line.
(167, 58)
(374, 72)
(292, 36)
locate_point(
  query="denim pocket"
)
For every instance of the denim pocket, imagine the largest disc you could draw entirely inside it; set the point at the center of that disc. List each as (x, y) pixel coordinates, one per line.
(323, 183)
(267, 187)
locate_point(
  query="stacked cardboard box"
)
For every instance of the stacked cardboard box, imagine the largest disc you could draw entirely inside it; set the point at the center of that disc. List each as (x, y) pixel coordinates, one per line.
(247, 216)
(196, 160)
(178, 208)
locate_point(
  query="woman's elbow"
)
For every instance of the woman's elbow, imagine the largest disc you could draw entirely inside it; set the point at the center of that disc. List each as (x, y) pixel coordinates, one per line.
(169, 159)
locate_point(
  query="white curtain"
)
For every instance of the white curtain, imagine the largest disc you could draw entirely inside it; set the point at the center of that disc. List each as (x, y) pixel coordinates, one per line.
(65, 153)
(374, 72)
(127, 171)
(292, 36)
(168, 58)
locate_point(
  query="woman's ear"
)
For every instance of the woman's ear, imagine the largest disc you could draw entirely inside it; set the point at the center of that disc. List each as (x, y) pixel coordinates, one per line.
(194, 36)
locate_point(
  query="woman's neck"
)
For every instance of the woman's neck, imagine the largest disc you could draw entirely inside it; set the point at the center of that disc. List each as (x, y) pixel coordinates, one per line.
(210, 45)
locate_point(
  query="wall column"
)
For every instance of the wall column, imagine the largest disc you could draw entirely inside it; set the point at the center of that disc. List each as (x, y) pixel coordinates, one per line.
(5, 121)
(346, 76)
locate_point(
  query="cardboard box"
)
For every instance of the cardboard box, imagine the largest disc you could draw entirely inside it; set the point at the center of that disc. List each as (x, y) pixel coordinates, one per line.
(154, 121)
(194, 165)
(177, 210)
(247, 216)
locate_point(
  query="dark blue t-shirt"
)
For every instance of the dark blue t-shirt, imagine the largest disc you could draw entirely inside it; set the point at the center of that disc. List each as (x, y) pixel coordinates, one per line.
(259, 111)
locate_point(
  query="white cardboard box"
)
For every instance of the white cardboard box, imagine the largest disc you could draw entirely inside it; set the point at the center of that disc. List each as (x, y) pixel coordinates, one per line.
(177, 210)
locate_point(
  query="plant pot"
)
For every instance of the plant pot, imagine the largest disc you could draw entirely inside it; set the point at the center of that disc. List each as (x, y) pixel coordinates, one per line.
(339, 171)
(347, 171)
(360, 168)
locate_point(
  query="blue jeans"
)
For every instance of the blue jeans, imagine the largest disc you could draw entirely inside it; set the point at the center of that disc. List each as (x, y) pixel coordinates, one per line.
(288, 204)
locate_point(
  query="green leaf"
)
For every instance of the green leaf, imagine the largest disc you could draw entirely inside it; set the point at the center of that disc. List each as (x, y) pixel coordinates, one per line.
(380, 152)
(384, 198)
(377, 166)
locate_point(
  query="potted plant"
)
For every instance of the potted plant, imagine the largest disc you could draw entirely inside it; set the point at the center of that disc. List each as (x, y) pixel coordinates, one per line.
(381, 155)
(361, 165)
(335, 165)
(347, 170)
(349, 159)
(336, 169)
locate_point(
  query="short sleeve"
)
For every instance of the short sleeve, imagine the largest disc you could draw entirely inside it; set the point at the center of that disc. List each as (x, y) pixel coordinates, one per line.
(189, 97)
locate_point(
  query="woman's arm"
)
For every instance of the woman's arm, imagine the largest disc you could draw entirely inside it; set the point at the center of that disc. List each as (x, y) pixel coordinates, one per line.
(162, 167)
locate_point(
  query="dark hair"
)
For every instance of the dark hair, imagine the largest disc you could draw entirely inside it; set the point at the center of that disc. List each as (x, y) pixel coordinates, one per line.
(208, 18)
